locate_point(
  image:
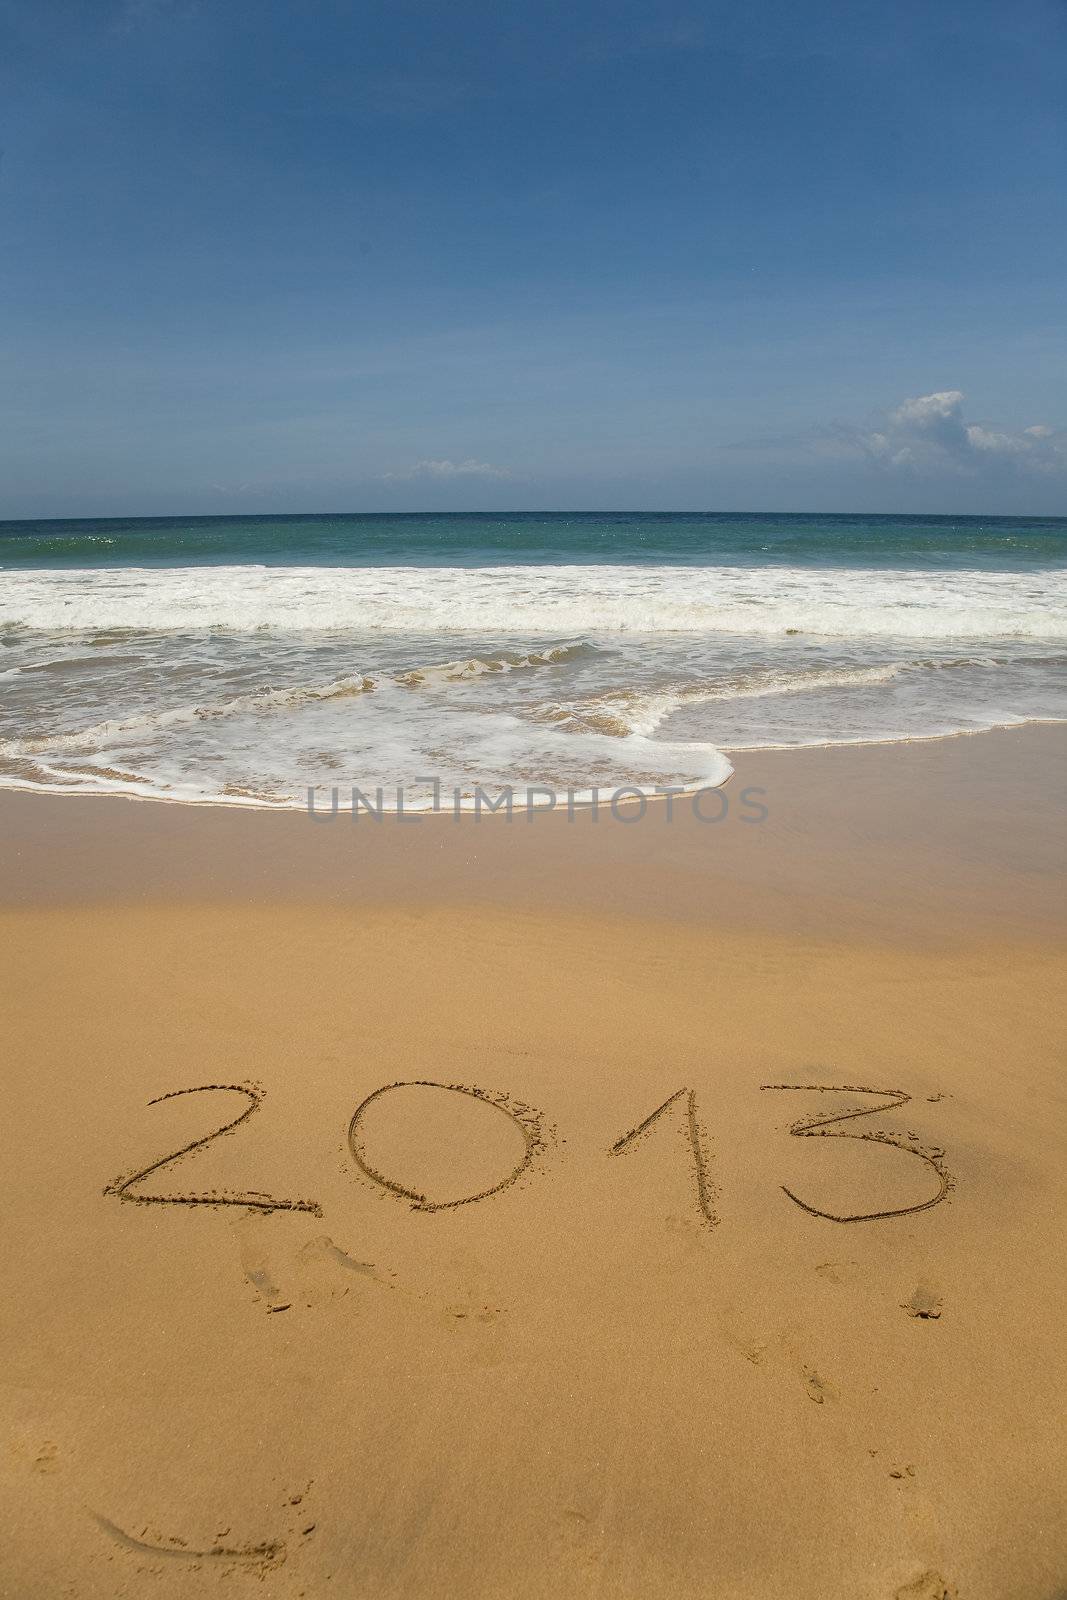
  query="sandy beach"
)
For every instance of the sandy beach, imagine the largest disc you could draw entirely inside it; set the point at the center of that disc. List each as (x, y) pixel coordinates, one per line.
(436, 1210)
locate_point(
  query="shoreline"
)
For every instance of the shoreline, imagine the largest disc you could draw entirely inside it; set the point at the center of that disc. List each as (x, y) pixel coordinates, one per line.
(576, 798)
(927, 840)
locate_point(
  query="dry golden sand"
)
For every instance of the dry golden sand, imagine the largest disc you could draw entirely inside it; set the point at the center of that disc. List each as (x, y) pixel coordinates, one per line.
(640, 1368)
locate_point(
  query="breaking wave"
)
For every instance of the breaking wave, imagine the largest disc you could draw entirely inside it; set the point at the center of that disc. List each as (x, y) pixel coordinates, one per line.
(249, 685)
(264, 701)
(557, 600)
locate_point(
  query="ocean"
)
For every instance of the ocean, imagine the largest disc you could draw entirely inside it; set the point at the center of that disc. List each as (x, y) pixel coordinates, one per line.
(246, 660)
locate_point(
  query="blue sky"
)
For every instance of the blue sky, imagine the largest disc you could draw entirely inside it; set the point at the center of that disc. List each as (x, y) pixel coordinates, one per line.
(335, 256)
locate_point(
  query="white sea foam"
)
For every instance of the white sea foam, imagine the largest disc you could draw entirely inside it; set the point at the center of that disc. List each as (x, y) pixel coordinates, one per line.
(111, 731)
(245, 686)
(567, 601)
(641, 712)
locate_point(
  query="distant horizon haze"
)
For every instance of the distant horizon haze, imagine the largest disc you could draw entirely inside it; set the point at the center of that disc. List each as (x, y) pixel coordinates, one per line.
(517, 512)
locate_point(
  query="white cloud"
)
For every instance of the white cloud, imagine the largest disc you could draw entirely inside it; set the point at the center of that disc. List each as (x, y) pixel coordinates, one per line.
(447, 469)
(928, 433)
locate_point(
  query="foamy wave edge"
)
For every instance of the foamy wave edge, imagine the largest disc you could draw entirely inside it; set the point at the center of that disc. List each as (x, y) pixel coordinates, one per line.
(265, 700)
(546, 601)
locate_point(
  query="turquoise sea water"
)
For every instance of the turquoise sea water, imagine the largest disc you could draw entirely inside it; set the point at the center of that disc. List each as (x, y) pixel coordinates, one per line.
(537, 537)
(243, 660)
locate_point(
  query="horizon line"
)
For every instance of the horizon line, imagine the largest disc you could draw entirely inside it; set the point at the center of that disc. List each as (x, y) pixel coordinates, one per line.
(562, 511)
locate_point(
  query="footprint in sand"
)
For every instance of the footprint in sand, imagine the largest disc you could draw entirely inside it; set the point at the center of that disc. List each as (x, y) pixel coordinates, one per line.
(837, 1271)
(816, 1386)
(752, 1349)
(333, 1271)
(925, 1303)
(323, 1248)
(257, 1270)
(580, 1538)
(928, 1585)
(317, 1271)
(818, 1389)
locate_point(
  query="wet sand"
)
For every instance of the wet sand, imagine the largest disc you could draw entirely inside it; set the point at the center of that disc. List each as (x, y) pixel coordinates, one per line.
(684, 1335)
